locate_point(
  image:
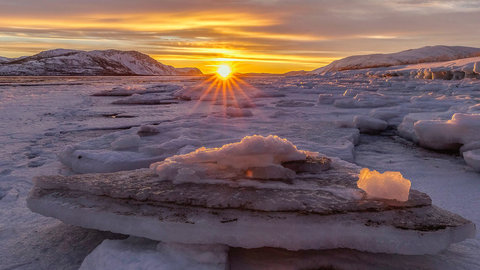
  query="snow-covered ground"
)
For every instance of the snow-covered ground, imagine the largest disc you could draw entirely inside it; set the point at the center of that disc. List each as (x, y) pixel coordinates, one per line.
(54, 125)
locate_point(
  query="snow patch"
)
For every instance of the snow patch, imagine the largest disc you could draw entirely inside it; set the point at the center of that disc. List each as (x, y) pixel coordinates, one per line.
(254, 156)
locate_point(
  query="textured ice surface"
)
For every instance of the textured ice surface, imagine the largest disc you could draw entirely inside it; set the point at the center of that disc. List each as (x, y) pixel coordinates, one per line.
(138, 91)
(387, 185)
(238, 112)
(147, 99)
(367, 100)
(183, 137)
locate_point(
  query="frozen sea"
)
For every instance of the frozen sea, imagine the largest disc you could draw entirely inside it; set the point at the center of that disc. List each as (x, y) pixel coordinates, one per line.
(41, 116)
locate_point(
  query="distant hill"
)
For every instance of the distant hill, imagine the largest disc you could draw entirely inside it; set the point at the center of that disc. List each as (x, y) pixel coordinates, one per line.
(413, 56)
(62, 62)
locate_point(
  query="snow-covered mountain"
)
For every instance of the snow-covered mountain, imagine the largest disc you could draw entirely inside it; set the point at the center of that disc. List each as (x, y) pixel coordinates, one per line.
(4, 59)
(413, 56)
(98, 62)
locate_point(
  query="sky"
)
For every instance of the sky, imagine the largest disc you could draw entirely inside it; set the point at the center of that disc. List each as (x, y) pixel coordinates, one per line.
(256, 35)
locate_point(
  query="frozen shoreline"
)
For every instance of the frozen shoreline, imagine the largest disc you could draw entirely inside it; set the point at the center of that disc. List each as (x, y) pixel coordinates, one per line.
(36, 117)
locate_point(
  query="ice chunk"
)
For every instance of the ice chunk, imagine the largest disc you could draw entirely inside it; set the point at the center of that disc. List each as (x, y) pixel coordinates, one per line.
(238, 112)
(95, 161)
(448, 134)
(140, 253)
(326, 99)
(253, 157)
(147, 130)
(368, 124)
(384, 114)
(126, 142)
(146, 99)
(406, 127)
(472, 158)
(293, 103)
(392, 115)
(366, 100)
(129, 90)
(470, 146)
(126, 150)
(351, 92)
(387, 185)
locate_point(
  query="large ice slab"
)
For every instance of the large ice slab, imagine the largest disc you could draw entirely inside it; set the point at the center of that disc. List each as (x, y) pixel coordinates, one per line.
(321, 211)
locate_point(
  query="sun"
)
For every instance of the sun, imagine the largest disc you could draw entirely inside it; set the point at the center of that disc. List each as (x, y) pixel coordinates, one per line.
(224, 71)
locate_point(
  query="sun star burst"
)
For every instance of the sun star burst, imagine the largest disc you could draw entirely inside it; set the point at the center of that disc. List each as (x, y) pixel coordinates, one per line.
(224, 71)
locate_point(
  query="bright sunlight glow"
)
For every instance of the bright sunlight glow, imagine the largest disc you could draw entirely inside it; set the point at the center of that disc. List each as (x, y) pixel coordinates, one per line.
(224, 71)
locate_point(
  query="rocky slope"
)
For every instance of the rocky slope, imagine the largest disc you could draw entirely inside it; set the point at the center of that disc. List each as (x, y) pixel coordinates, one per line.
(61, 62)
